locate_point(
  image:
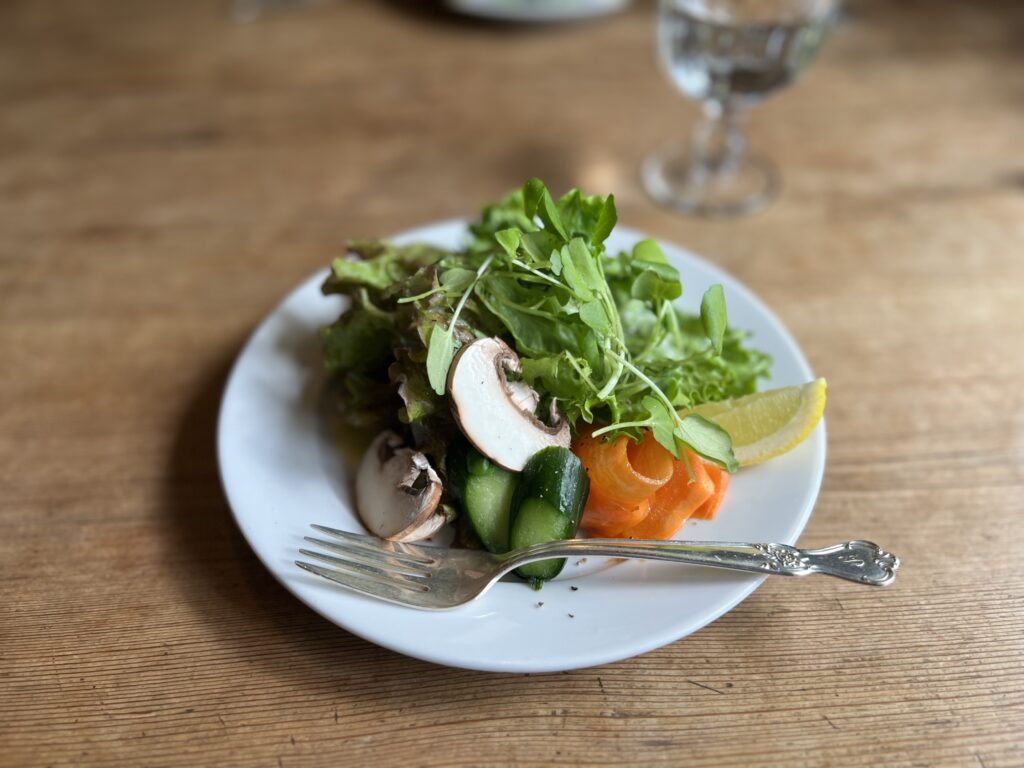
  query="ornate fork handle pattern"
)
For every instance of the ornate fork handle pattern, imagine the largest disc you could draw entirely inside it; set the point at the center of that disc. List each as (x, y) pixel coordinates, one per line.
(860, 561)
(855, 560)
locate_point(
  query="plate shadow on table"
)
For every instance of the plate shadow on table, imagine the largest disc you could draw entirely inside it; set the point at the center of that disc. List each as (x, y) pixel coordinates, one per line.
(432, 11)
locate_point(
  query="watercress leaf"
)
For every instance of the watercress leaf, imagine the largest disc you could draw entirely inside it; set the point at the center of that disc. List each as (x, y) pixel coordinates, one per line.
(713, 316)
(582, 216)
(571, 272)
(662, 424)
(587, 265)
(606, 221)
(548, 212)
(664, 271)
(504, 214)
(572, 212)
(533, 191)
(538, 331)
(649, 250)
(594, 314)
(707, 439)
(561, 376)
(657, 282)
(537, 202)
(592, 352)
(538, 246)
(440, 352)
(509, 239)
(646, 287)
(556, 262)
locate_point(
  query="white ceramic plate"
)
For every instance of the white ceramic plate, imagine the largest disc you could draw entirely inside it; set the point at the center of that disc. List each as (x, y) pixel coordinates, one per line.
(537, 10)
(282, 471)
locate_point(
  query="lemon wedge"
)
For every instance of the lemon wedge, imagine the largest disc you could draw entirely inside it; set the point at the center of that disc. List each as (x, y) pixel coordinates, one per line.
(769, 423)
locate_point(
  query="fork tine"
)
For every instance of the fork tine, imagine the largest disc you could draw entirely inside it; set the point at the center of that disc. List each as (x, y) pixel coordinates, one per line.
(377, 546)
(384, 590)
(370, 570)
(378, 557)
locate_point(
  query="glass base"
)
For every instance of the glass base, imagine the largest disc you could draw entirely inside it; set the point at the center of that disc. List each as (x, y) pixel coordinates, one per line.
(675, 178)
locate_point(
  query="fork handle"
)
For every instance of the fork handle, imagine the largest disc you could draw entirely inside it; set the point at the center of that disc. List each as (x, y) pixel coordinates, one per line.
(859, 561)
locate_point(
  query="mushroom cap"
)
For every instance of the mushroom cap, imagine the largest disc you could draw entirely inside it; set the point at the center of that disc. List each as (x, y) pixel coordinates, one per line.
(494, 414)
(397, 491)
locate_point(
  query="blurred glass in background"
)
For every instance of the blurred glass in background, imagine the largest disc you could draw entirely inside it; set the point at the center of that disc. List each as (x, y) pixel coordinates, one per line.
(728, 54)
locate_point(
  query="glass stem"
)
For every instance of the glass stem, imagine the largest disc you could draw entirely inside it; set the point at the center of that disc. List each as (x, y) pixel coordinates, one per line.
(717, 140)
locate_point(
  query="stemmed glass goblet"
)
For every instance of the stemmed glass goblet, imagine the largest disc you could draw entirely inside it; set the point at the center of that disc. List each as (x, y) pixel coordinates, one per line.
(728, 54)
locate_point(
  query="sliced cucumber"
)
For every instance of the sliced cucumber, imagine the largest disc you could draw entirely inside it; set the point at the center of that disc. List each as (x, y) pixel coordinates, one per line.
(538, 521)
(486, 491)
(548, 504)
(488, 502)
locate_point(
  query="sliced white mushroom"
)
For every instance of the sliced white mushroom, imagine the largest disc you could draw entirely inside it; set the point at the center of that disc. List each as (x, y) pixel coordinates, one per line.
(524, 396)
(424, 530)
(495, 414)
(398, 493)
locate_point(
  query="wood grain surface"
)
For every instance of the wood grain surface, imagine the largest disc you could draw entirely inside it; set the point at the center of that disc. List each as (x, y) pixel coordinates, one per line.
(167, 174)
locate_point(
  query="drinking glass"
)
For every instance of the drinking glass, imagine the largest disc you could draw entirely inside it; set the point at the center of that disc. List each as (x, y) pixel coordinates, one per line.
(728, 54)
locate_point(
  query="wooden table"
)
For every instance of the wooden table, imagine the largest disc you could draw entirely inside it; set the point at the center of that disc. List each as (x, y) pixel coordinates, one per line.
(167, 174)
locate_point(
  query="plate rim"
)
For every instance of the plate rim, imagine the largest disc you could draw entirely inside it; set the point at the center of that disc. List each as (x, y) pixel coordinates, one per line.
(652, 641)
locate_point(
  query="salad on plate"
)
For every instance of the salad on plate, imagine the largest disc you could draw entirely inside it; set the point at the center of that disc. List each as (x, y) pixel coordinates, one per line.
(531, 384)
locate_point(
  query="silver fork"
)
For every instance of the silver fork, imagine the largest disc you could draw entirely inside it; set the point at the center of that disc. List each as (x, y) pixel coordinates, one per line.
(435, 578)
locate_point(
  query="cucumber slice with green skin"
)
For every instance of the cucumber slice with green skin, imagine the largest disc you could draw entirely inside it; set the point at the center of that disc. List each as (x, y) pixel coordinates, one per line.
(548, 505)
(486, 491)
(538, 521)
